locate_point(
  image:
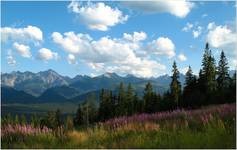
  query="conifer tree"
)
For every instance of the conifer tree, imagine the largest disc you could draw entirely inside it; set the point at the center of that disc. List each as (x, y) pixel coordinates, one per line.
(121, 100)
(222, 73)
(148, 96)
(16, 121)
(208, 71)
(78, 120)
(189, 97)
(129, 100)
(175, 86)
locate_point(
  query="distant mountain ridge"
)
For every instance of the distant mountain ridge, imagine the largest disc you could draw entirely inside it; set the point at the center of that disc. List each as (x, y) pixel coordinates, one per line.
(49, 86)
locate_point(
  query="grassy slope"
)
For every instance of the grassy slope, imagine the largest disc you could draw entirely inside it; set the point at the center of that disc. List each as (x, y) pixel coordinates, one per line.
(218, 132)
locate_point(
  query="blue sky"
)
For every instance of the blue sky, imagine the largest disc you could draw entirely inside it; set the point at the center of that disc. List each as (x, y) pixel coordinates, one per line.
(91, 38)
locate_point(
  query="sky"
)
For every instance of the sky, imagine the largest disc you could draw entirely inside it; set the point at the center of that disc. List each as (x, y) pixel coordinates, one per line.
(138, 38)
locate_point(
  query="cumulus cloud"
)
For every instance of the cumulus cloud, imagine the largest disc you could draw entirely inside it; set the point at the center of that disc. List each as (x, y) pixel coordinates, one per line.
(46, 54)
(179, 8)
(182, 57)
(197, 32)
(71, 59)
(10, 59)
(184, 70)
(211, 25)
(162, 46)
(29, 33)
(223, 38)
(110, 54)
(22, 49)
(187, 27)
(136, 37)
(98, 16)
(71, 42)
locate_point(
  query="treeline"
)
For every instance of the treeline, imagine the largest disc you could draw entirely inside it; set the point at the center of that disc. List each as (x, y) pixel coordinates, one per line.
(53, 120)
(213, 86)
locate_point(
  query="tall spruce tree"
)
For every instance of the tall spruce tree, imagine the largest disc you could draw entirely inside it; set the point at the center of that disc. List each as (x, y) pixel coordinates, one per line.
(121, 109)
(208, 71)
(148, 98)
(223, 78)
(129, 100)
(189, 77)
(102, 107)
(175, 86)
(207, 77)
(188, 99)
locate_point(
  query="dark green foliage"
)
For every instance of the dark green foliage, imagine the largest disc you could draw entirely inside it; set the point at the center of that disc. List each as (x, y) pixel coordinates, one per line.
(34, 120)
(223, 79)
(231, 93)
(106, 105)
(208, 76)
(175, 86)
(189, 98)
(129, 104)
(52, 120)
(23, 119)
(150, 100)
(16, 121)
(121, 106)
(86, 112)
(222, 73)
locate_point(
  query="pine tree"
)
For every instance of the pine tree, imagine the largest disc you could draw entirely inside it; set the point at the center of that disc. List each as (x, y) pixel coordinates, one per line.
(121, 100)
(175, 86)
(148, 97)
(232, 89)
(190, 88)
(209, 70)
(102, 109)
(222, 73)
(23, 119)
(129, 100)
(16, 121)
(189, 77)
(58, 121)
(78, 120)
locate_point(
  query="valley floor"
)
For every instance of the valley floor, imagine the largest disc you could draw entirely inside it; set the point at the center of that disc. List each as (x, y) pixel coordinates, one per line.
(210, 127)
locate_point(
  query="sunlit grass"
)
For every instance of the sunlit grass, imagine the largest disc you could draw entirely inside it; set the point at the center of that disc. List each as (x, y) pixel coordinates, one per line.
(212, 127)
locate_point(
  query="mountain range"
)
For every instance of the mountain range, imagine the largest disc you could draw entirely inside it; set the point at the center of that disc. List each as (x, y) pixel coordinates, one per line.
(49, 86)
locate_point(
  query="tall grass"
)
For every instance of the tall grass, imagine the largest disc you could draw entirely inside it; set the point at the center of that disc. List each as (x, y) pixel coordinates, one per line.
(211, 127)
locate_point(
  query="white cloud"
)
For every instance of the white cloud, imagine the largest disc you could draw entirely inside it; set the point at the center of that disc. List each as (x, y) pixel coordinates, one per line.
(47, 54)
(110, 55)
(98, 16)
(188, 27)
(179, 8)
(162, 46)
(10, 59)
(73, 43)
(197, 32)
(220, 36)
(22, 49)
(136, 37)
(184, 70)
(182, 57)
(71, 59)
(223, 38)
(30, 33)
(211, 25)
